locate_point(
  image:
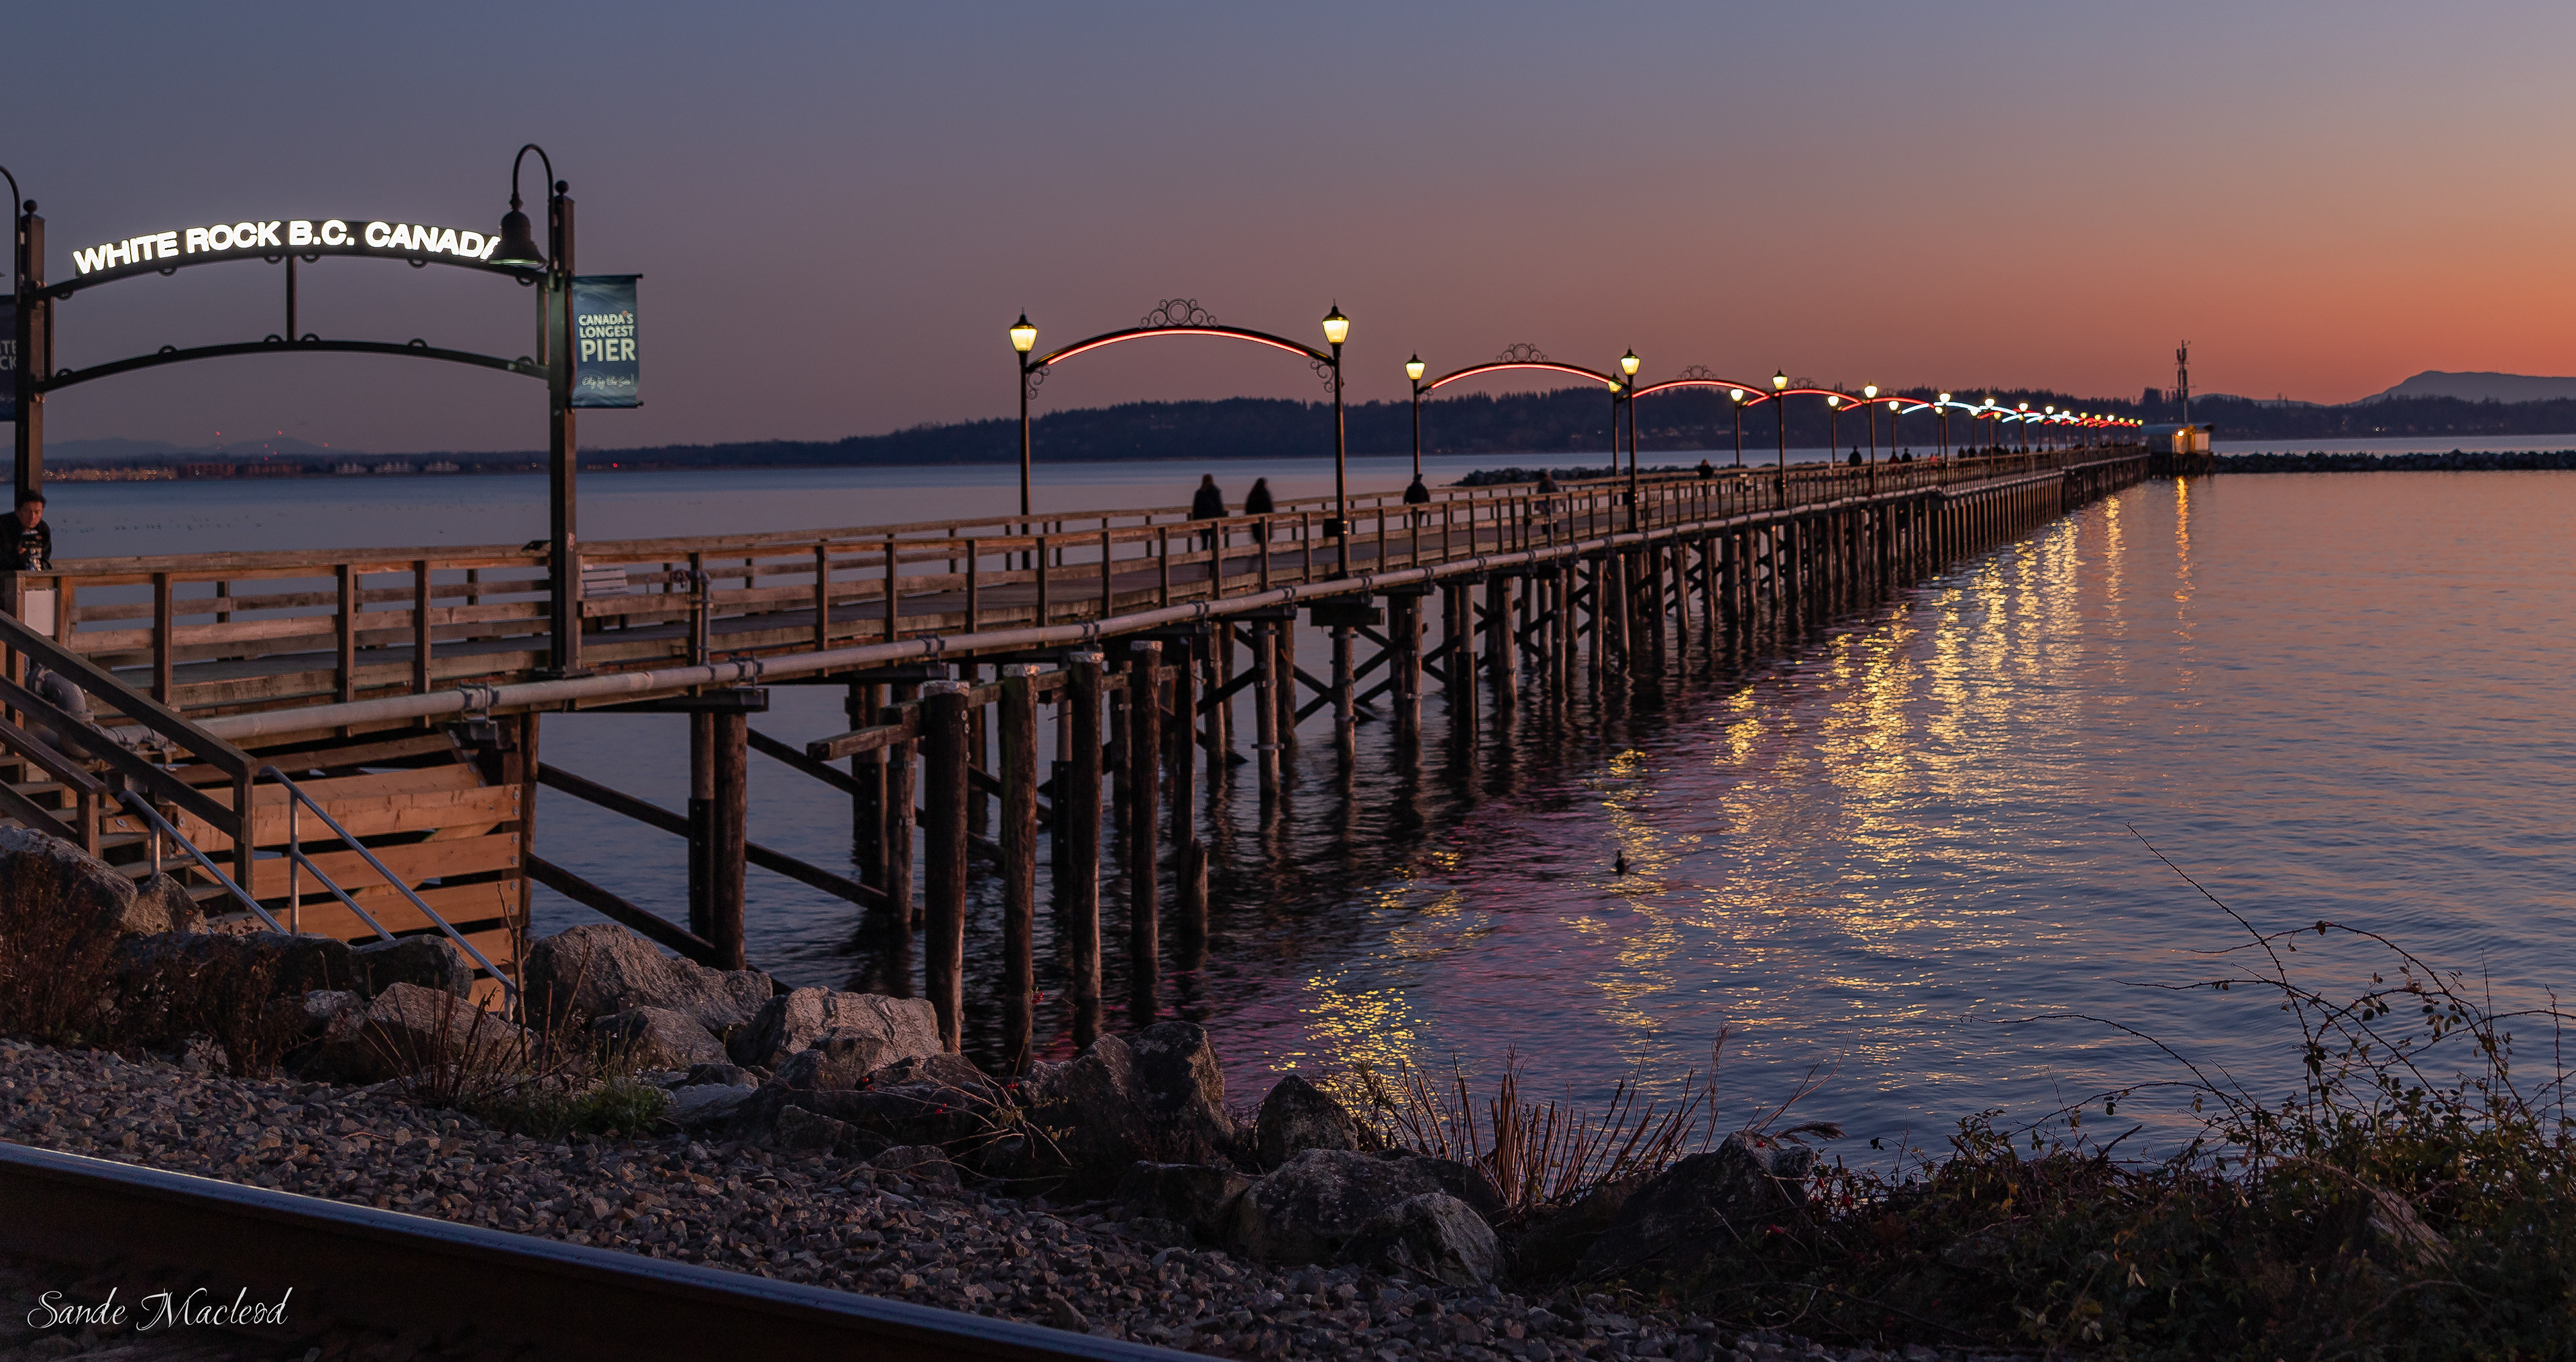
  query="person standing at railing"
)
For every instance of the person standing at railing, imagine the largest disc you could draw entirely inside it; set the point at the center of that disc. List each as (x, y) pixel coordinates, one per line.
(1209, 504)
(1415, 494)
(1258, 501)
(31, 546)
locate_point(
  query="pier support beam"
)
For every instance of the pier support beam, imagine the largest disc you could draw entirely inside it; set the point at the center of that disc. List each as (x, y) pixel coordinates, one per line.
(945, 788)
(1144, 779)
(1017, 721)
(1078, 812)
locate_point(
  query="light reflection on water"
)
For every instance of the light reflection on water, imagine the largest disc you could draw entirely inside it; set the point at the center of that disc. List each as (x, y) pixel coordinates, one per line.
(2325, 696)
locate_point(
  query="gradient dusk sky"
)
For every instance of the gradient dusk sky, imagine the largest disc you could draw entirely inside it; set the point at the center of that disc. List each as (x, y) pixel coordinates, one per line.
(839, 208)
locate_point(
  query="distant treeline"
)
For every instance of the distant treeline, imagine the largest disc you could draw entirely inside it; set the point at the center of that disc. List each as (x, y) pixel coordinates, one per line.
(2456, 461)
(2239, 419)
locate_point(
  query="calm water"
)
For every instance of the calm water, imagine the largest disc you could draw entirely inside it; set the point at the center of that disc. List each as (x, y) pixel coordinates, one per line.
(2324, 696)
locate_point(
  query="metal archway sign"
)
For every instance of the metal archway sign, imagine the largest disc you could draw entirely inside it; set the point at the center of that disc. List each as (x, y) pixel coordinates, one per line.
(582, 318)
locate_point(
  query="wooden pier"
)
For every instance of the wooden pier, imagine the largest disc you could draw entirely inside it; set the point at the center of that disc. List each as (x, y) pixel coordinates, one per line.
(348, 741)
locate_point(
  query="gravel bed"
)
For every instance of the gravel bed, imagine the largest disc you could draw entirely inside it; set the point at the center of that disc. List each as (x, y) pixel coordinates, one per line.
(817, 1220)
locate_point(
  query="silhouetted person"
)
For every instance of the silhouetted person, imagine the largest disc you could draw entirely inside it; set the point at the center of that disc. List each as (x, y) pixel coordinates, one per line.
(1209, 504)
(1855, 458)
(1415, 494)
(1707, 470)
(31, 545)
(1258, 502)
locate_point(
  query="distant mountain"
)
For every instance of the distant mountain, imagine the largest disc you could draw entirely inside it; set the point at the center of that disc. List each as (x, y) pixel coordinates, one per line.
(2481, 387)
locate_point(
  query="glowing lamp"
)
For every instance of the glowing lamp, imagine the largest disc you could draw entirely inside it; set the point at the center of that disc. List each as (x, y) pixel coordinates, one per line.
(1945, 399)
(1869, 390)
(1337, 327)
(1628, 364)
(1896, 404)
(1413, 368)
(1780, 381)
(1024, 337)
(1735, 394)
(1833, 400)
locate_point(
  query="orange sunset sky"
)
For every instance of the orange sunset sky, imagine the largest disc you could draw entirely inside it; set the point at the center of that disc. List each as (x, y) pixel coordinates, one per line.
(838, 209)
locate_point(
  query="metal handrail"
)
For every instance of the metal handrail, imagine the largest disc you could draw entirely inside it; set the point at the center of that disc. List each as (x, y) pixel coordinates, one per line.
(141, 805)
(295, 852)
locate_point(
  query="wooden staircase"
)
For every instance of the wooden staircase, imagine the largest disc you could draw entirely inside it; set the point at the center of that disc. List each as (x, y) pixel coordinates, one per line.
(447, 810)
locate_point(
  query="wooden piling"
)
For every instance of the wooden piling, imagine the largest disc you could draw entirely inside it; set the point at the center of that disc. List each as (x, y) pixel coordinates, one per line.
(701, 816)
(899, 823)
(1017, 720)
(1144, 741)
(731, 809)
(1404, 639)
(945, 789)
(1265, 706)
(1078, 802)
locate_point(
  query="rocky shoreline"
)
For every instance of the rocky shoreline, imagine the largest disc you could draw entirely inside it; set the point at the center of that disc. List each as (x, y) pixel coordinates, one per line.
(919, 1233)
(652, 1105)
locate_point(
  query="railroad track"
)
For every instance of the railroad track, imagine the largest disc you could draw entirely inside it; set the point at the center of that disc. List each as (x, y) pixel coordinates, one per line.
(382, 1269)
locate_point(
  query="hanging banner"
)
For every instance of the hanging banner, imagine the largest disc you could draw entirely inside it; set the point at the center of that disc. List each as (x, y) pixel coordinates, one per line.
(605, 366)
(8, 359)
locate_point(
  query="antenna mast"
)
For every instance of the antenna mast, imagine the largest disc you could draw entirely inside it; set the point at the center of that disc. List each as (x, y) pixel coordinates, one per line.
(2182, 380)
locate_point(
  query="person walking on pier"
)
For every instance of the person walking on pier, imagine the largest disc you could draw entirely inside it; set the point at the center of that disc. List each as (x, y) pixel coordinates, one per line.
(1258, 502)
(31, 547)
(1209, 504)
(1417, 495)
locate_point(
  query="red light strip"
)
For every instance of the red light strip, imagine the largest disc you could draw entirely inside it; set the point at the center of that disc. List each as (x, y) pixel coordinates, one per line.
(1114, 337)
(1551, 366)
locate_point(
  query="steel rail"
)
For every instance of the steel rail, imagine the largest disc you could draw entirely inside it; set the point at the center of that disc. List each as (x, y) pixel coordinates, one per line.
(473, 699)
(385, 1269)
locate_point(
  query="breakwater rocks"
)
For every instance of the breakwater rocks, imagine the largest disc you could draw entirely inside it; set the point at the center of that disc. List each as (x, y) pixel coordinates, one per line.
(907, 1224)
(2457, 460)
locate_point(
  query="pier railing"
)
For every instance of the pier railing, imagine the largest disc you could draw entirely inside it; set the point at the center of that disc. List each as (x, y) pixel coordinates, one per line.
(221, 633)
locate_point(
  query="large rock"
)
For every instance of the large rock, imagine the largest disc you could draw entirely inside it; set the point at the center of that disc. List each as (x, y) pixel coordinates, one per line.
(163, 899)
(1705, 1199)
(1182, 1087)
(1465, 1181)
(1192, 1195)
(601, 969)
(875, 1030)
(659, 1038)
(408, 1029)
(431, 962)
(314, 1025)
(1298, 1116)
(1311, 1207)
(940, 1100)
(1552, 1244)
(49, 875)
(157, 974)
(1432, 1235)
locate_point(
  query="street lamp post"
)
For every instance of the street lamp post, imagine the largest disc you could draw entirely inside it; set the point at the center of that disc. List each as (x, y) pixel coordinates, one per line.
(1941, 422)
(2023, 424)
(1833, 427)
(1413, 370)
(1780, 385)
(518, 247)
(30, 335)
(1337, 328)
(1735, 396)
(1024, 338)
(1869, 408)
(1628, 368)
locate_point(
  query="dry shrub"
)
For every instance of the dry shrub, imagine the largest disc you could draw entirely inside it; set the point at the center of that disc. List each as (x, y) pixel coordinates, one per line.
(1539, 1154)
(166, 997)
(56, 967)
(548, 1082)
